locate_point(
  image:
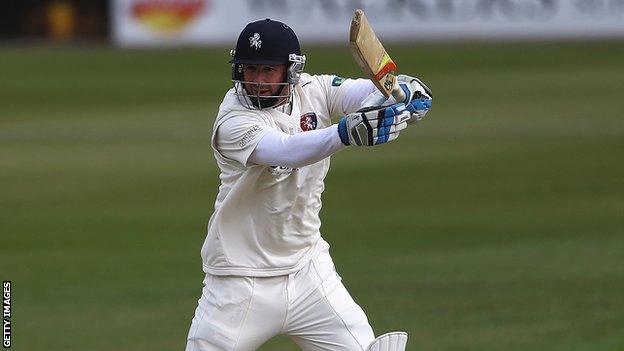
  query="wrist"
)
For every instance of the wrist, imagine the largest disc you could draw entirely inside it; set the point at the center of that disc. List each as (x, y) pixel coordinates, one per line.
(342, 131)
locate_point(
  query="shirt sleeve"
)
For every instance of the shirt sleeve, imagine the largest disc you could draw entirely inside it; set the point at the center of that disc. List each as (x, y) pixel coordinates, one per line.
(237, 137)
(344, 96)
(356, 90)
(277, 148)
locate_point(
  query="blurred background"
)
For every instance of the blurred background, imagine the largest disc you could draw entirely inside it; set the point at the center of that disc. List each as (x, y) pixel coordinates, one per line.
(501, 221)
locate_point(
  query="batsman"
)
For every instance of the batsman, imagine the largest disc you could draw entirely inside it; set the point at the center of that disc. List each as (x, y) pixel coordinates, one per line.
(268, 269)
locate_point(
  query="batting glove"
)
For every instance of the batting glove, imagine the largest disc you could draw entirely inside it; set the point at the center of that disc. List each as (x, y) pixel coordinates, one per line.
(373, 125)
(418, 97)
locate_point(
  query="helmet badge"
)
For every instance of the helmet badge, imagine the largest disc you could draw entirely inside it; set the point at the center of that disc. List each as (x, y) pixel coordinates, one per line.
(255, 41)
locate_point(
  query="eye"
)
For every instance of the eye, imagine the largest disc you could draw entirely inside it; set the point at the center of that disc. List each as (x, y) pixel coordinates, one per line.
(250, 68)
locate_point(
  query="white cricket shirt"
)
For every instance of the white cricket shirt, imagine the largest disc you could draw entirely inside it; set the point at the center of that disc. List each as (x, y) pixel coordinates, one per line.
(266, 219)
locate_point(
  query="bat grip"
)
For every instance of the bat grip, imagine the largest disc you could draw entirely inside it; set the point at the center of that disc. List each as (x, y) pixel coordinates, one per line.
(398, 93)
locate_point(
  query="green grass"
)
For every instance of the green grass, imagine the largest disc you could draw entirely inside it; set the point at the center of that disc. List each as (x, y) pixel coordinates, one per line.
(495, 224)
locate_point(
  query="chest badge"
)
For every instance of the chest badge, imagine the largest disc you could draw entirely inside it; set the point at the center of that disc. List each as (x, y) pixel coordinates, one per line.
(308, 121)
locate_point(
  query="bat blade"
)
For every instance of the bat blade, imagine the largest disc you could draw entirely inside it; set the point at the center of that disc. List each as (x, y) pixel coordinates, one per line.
(372, 57)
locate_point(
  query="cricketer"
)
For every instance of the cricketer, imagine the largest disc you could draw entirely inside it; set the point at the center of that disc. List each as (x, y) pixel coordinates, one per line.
(268, 270)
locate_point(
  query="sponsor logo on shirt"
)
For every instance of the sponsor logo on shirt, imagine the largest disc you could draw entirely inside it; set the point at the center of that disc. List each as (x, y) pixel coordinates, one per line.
(337, 81)
(308, 121)
(281, 170)
(248, 135)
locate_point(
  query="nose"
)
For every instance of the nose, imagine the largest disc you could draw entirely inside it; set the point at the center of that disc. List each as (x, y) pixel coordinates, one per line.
(260, 77)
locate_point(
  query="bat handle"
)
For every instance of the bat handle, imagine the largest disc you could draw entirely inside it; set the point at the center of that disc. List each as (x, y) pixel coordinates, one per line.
(398, 93)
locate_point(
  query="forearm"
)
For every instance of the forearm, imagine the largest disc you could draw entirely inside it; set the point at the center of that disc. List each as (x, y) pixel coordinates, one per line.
(280, 149)
(357, 91)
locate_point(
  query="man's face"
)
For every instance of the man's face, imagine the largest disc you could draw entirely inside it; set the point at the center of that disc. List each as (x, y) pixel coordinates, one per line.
(264, 74)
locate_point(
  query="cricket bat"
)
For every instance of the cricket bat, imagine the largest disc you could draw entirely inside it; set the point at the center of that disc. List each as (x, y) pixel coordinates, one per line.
(372, 58)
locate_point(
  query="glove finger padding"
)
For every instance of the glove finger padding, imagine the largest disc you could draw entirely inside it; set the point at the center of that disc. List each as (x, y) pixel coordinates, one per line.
(393, 129)
(419, 96)
(373, 125)
(393, 136)
(417, 89)
(418, 109)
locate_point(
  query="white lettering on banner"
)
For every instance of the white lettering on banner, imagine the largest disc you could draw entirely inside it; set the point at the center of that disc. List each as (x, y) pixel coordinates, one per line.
(218, 22)
(441, 9)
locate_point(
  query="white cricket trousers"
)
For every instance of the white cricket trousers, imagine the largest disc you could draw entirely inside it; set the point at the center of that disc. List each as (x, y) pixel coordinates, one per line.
(312, 306)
